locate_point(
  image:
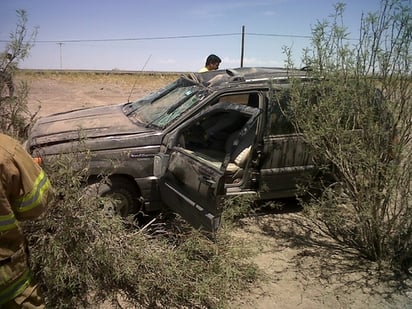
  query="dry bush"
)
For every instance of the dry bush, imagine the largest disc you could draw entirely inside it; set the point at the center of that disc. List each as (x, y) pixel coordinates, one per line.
(14, 113)
(15, 117)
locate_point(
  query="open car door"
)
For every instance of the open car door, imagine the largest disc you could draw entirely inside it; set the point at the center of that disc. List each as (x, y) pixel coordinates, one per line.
(193, 159)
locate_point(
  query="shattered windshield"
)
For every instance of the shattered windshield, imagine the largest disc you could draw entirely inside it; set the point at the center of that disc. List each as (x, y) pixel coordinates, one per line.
(166, 105)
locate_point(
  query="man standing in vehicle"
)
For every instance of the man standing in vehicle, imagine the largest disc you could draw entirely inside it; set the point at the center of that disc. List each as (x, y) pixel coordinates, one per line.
(212, 63)
(25, 191)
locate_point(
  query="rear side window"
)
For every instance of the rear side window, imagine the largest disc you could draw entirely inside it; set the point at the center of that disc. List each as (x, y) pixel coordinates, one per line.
(279, 123)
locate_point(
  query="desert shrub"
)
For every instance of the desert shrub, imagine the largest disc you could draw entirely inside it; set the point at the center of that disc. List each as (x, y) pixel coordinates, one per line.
(15, 116)
(357, 119)
(239, 207)
(81, 256)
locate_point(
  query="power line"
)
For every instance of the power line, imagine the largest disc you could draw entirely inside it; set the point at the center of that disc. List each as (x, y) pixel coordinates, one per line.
(281, 35)
(168, 37)
(289, 36)
(136, 39)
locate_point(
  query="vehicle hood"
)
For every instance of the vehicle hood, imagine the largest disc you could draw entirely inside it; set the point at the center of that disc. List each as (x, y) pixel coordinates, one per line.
(89, 123)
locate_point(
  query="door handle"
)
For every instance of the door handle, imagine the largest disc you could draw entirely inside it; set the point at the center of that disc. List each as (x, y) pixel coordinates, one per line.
(207, 180)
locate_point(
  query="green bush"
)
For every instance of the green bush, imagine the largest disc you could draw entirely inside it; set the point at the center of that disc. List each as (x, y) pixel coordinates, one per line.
(357, 119)
(82, 257)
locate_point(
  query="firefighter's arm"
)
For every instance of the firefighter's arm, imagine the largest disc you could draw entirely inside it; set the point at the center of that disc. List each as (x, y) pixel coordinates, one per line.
(35, 189)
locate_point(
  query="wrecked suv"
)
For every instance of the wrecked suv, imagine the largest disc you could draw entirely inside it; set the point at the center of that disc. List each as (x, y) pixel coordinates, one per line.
(204, 137)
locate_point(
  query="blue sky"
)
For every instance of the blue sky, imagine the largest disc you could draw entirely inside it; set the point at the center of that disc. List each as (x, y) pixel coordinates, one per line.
(136, 26)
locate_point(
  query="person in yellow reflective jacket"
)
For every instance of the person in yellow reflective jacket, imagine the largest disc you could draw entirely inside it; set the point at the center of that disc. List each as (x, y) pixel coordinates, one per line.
(212, 63)
(25, 191)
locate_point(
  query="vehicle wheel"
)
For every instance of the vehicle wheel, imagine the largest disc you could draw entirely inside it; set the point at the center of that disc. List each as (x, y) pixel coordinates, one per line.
(122, 197)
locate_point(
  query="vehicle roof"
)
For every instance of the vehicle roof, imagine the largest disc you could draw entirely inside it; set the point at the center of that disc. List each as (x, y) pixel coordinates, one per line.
(246, 75)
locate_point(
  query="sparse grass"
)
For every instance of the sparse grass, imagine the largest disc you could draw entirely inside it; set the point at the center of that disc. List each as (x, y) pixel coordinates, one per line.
(100, 76)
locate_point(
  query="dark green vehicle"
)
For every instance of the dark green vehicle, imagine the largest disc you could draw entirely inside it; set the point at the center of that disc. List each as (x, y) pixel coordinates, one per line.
(189, 145)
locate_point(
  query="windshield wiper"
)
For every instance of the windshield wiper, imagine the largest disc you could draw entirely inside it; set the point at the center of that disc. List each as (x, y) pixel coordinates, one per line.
(134, 106)
(172, 108)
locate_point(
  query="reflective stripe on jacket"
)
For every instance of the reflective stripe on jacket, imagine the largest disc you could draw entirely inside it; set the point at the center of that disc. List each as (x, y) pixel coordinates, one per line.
(24, 193)
(33, 198)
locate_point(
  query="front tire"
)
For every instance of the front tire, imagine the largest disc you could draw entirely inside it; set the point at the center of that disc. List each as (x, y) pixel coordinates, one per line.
(122, 196)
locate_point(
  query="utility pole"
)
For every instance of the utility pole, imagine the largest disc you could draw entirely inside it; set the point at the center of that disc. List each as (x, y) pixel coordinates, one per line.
(243, 47)
(61, 59)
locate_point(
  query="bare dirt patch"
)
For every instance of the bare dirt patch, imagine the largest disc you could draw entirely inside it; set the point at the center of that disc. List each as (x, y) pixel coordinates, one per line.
(304, 269)
(57, 92)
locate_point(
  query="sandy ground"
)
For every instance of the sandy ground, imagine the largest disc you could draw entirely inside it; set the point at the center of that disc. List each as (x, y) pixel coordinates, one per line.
(304, 269)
